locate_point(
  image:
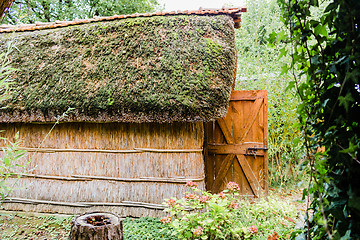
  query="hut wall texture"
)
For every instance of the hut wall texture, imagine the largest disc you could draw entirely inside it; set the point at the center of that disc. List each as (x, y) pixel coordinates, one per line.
(71, 173)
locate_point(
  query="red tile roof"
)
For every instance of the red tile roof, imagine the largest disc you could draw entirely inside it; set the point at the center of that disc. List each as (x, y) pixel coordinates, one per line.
(235, 13)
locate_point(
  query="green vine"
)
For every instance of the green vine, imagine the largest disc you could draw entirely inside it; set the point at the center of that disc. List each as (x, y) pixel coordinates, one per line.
(325, 65)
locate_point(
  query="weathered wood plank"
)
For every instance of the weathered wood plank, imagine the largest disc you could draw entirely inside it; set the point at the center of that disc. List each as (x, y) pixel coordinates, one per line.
(234, 148)
(247, 95)
(222, 172)
(237, 119)
(225, 130)
(255, 109)
(250, 176)
(266, 136)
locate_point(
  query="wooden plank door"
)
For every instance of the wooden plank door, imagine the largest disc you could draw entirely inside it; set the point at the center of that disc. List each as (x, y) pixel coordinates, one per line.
(236, 145)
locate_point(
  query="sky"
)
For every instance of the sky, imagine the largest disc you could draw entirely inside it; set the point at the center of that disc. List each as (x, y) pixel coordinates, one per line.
(171, 5)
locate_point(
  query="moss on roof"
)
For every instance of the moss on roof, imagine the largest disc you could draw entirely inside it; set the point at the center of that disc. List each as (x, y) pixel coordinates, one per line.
(150, 69)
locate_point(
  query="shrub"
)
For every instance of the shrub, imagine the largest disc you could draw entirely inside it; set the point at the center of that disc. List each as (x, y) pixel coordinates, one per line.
(202, 215)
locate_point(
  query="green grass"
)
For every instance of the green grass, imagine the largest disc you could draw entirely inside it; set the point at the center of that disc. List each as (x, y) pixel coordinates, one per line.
(145, 228)
(269, 215)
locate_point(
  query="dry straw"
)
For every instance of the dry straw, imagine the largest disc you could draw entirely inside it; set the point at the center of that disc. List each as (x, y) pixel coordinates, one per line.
(83, 164)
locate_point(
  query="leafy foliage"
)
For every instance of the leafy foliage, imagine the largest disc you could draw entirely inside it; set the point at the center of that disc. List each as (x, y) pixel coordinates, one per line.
(30, 11)
(202, 215)
(327, 54)
(12, 164)
(146, 228)
(259, 67)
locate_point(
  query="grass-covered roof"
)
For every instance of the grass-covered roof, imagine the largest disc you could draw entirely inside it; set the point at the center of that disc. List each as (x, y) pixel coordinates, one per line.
(148, 69)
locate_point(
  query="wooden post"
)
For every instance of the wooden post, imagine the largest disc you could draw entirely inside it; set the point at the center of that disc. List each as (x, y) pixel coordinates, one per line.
(97, 226)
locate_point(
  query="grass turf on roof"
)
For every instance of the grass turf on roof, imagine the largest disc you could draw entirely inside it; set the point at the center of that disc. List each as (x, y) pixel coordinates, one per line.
(151, 69)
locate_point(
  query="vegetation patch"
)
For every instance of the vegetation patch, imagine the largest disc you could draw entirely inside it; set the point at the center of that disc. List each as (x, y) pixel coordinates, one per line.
(227, 215)
(30, 226)
(275, 214)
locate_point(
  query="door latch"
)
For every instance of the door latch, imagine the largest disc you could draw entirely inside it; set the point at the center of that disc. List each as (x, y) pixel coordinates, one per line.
(253, 150)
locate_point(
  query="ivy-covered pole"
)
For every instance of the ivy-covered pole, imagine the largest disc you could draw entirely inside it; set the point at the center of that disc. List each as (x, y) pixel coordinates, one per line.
(326, 54)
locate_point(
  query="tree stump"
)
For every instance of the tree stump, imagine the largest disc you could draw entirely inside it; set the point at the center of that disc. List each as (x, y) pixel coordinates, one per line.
(97, 226)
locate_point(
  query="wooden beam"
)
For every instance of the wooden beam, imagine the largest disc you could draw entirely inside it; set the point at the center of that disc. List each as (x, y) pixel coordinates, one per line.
(251, 119)
(249, 95)
(225, 130)
(222, 172)
(234, 148)
(250, 176)
(266, 160)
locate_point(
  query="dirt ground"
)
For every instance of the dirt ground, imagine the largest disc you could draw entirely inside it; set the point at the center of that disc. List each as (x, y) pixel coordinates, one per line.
(34, 226)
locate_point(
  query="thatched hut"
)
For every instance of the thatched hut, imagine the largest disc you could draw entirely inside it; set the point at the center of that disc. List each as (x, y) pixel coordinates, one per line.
(141, 86)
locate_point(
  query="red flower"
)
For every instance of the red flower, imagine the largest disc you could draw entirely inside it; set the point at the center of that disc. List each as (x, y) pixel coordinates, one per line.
(253, 229)
(204, 199)
(191, 184)
(198, 231)
(233, 187)
(274, 236)
(222, 195)
(171, 202)
(190, 196)
(233, 205)
(166, 219)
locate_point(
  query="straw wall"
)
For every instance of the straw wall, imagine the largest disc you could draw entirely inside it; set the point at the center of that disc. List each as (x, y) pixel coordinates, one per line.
(126, 167)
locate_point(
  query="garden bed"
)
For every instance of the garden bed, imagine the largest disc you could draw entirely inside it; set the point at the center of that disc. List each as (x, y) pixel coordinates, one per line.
(277, 214)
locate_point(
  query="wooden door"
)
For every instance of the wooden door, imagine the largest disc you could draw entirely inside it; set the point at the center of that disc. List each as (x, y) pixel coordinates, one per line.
(236, 145)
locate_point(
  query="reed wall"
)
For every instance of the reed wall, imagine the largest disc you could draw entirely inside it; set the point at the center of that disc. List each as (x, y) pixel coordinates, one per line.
(106, 166)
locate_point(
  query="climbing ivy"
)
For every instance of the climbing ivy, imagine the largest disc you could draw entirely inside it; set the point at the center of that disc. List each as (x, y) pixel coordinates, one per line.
(326, 53)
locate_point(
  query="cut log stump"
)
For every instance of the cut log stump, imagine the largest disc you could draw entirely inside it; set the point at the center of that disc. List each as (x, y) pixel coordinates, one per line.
(97, 226)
